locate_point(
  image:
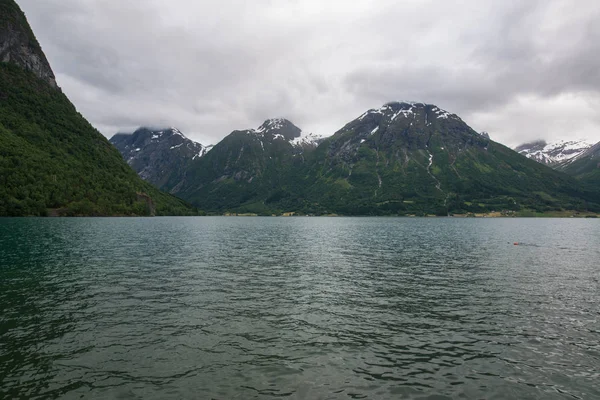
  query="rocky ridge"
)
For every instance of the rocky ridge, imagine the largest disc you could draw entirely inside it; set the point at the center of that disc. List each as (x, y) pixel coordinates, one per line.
(19, 46)
(159, 156)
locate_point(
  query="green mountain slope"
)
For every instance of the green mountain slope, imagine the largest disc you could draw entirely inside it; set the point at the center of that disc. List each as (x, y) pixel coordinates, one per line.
(52, 161)
(417, 158)
(251, 171)
(403, 158)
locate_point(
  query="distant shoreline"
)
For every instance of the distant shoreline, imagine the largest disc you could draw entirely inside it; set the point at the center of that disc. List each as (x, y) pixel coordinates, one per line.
(520, 214)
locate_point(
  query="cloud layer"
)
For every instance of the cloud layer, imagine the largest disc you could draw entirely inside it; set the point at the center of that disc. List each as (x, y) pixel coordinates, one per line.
(519, 70)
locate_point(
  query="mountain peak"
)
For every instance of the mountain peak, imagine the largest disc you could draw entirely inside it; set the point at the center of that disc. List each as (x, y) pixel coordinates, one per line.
(405, 118)
(274, 123)
(144, 136)
(18, 45)
(279, 128)
(408, 109)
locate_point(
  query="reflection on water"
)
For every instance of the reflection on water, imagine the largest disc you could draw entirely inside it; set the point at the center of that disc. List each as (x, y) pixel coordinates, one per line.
(304, 308)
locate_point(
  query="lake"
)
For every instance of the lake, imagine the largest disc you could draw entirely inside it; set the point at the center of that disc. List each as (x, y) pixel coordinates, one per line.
(299, 308)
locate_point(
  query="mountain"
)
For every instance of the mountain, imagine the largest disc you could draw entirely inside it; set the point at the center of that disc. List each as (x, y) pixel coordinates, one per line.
(52, 161)
(553, 154)
(159, 156)
(401, 158)
(249, 165)
(586, 166)
(417, 158)
(165, 157)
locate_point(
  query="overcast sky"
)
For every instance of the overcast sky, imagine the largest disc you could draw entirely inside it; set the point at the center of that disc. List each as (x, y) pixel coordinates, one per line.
(521, 70)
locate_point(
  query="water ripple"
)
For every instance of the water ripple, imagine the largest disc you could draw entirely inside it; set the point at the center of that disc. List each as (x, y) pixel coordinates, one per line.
(302, 308)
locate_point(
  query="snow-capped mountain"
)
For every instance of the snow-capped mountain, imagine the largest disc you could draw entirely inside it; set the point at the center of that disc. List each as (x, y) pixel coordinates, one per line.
(165, 157)
(159, 156)
(251, 161)
(282, 129)
(553, 154)
(402, 158)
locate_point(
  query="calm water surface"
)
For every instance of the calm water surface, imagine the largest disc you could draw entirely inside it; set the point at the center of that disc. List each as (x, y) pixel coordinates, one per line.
(300, 308)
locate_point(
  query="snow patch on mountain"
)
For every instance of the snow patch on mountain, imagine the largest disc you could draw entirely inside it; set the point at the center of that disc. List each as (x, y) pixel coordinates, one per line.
(441, 114)
(405, 113)
(202, 151)
(306, 139)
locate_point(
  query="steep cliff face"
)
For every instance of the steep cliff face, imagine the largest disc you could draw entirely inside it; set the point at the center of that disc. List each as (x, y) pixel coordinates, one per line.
(18, 44)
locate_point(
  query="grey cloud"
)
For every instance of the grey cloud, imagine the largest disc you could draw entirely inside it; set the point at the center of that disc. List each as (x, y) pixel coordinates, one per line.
(209, 68)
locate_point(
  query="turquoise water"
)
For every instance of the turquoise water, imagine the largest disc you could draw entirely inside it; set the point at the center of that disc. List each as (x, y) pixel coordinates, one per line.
(299, 308)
